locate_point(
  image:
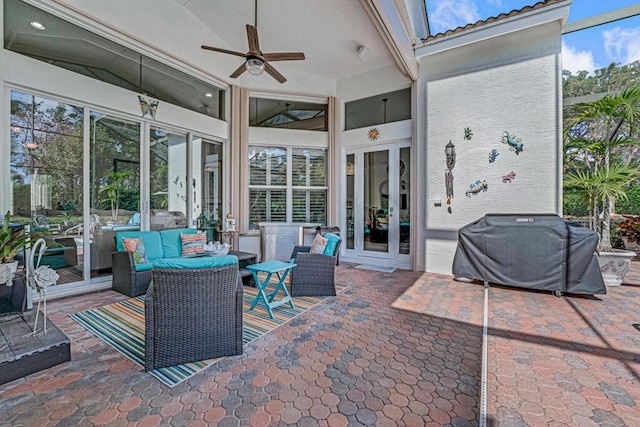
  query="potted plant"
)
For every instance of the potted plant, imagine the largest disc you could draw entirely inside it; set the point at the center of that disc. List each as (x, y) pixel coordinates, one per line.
(599, 128)
(12, 242)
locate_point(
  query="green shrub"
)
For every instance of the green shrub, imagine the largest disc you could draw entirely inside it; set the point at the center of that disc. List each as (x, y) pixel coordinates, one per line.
(616, 236)
(573, 204)
(631, 206)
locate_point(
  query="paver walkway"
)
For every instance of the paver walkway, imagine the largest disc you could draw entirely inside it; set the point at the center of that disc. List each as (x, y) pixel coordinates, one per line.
(398, 348)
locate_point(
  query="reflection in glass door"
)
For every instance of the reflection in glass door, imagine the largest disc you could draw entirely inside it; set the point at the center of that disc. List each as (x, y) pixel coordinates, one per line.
(404, 201)
(209, 170)
(115, 187)
(351, 167)
(46, 177)
(376, 201)
(167, 179)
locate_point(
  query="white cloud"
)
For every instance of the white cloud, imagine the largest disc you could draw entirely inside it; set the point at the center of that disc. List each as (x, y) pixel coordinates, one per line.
(622, 44)
(450, 14)
(497, 3)
(574, 60)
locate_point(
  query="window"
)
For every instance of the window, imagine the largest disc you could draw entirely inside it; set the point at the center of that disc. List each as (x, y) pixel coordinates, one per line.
(287, 114)
(287, 185)
(68, 46)
(375, 110)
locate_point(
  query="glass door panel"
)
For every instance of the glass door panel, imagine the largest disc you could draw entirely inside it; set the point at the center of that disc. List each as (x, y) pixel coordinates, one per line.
(404, 202)
(46, 175)
(351, 166)
(376, 201)
(115, 186)
(209, 169)
(377, 207)
(167, 179)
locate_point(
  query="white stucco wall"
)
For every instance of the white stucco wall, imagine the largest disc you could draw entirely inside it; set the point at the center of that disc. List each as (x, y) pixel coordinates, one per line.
(506, 83)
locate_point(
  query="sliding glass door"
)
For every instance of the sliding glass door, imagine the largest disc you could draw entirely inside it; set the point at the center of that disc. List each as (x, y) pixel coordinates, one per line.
(114, 191)
(167, 179)
(46, 176)
(79, 176)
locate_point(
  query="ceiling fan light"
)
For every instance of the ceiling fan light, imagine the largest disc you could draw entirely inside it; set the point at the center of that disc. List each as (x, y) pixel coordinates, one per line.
(255, 66)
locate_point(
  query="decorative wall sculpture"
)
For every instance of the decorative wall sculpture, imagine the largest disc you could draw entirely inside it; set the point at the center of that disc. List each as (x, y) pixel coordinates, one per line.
(148, 107)
(373, 134)
(493, 155)
(507, 178)
(467, 134)
(514, 143)
(450, 156)
(477, 187)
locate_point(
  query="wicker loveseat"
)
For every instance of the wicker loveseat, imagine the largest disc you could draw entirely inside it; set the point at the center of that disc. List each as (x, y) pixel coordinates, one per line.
(314, 272)
(163, 250)
(192, 314)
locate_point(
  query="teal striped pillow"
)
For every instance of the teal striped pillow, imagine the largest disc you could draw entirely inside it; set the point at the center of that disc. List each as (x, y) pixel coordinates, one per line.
(193, 244)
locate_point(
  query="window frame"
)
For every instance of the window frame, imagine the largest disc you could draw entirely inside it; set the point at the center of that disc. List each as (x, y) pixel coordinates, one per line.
(289, 187)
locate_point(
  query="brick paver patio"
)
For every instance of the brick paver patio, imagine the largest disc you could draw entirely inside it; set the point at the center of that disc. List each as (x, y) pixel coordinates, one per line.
(398, 348)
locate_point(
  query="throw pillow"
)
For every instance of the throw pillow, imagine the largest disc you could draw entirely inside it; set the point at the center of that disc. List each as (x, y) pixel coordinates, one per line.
(332, 243)
(318, 245)
(135, 246)
(193, 244)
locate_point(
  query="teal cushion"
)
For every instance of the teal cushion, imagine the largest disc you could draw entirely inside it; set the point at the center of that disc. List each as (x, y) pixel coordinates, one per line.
(145, 266)
(199, 262)
(171, 243)
(332, 244)
(151, 239)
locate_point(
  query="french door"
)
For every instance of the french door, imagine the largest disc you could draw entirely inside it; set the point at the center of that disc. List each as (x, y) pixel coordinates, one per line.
(378, 204)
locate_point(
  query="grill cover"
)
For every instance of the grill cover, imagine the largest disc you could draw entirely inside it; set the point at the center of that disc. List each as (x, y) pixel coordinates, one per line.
(532, 251)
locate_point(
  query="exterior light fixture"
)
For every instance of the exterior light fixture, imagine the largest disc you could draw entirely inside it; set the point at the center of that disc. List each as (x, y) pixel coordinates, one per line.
(363, 54)
(37, 25)
(254, 65)
(208, 95)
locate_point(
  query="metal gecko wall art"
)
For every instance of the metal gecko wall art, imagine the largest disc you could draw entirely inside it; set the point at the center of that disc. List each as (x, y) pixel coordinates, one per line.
(477, 187)
(493, 155)
(514, 143)
(507, 178)
(467, 133)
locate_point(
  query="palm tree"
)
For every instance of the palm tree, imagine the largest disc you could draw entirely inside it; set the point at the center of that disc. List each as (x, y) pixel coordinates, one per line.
(596, 127)
(598, 187)
(113, 192)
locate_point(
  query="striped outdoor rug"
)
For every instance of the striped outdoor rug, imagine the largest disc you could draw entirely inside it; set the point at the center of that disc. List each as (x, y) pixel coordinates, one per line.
(121, 325)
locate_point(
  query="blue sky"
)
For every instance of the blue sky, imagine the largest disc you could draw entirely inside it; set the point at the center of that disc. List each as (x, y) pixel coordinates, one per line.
(585, 50)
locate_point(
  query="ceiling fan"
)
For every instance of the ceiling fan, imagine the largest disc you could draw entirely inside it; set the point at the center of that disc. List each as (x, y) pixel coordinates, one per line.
(255, 61)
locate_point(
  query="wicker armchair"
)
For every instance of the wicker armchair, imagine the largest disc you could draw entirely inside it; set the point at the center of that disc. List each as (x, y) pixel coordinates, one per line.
(126, 279)
(314, 273)
(192, 315)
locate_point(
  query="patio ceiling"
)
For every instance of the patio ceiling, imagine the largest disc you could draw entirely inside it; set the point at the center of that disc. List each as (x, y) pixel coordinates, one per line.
(329, 33)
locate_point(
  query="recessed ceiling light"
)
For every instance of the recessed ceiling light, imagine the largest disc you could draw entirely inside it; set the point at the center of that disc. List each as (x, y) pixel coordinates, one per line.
(37, 25)
(208, 95)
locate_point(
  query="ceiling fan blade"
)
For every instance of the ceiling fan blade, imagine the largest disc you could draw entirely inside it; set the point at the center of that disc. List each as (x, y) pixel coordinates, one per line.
(284, 56)
(241, 69)
(217, 49)
(274, 73)
(252, 38)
